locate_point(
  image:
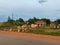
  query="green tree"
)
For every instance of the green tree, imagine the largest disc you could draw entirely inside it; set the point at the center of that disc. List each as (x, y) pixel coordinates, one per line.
(20, 21)
(10, 21)
(33, 20)
(58, 21)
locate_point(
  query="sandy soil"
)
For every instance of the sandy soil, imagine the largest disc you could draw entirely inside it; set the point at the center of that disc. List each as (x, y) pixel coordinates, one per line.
(29, 35)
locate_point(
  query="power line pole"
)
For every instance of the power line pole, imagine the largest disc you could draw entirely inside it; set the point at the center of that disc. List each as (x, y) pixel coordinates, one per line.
(12, 15)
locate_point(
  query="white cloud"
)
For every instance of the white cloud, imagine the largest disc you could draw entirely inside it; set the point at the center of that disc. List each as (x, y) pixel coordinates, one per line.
(30, 8)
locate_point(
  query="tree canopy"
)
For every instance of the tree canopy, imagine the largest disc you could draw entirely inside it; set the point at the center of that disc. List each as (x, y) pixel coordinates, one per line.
(33, 20)
(21, 21)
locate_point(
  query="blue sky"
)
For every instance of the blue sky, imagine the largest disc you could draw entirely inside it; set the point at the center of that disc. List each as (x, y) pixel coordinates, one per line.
(29, 8)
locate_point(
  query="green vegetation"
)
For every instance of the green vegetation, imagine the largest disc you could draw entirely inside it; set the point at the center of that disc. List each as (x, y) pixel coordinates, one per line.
(32, 20)
(19, 22)
(57, 33)
(4, 26)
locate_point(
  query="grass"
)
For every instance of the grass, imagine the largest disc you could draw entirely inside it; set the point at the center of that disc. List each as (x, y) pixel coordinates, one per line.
(35, 31)
(56, 33)
(44, 33)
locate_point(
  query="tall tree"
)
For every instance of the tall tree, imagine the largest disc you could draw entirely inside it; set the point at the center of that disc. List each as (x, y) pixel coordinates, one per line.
(58, 21)
(33, 20)
(20, 21)
(9, 19)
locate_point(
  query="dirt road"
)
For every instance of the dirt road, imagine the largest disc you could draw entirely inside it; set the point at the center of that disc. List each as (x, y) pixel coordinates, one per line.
(14, 38)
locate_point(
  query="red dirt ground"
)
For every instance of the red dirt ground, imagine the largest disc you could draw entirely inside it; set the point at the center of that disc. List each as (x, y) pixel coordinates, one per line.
(29, 35)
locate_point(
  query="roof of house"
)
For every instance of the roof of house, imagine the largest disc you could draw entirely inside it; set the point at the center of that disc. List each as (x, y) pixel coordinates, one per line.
(40, 22)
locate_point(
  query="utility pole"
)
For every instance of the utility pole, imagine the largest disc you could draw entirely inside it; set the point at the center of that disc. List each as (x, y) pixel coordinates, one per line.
(12, 15)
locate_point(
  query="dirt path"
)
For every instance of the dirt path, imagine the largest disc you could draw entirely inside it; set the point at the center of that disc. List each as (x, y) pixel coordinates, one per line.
(29, 35)
(12, 40)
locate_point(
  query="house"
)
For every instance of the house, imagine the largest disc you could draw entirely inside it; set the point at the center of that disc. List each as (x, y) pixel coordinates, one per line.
(54, 25)
(40, 23)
